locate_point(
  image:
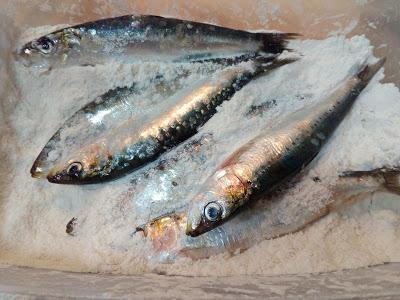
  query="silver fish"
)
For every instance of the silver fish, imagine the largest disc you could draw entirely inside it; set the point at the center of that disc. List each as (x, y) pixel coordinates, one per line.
(132, 146)
(142, 38)
(269, 217)
(273, 156)
(106, 113)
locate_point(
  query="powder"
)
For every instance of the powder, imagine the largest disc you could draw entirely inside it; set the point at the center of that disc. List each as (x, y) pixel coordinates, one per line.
(34, 212)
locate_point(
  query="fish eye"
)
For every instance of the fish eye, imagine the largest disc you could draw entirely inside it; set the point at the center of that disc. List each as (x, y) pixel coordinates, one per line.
(44, 45)
(213, 211)
(74, 169)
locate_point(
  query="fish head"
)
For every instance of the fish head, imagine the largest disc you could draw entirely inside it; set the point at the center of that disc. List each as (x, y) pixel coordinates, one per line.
(51, 49)
(220, 196)
(88, 165)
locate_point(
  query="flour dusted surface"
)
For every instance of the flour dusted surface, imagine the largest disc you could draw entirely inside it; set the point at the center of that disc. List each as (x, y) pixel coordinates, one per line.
(34, 213)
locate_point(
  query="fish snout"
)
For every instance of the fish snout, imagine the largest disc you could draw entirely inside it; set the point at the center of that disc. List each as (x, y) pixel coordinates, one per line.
(24, 56)
(192, 224)
(203, 227)
(195, 224)
(39, 168)
(38, 172)
(27, 55)
(42, 165)
(190, 231)
(30, 58)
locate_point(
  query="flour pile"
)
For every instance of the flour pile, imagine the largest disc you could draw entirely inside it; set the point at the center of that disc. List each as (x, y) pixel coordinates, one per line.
(33, 213)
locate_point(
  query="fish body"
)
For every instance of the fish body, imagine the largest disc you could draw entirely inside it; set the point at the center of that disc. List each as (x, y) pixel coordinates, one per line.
(276, 214)
(105, 114)
(273, 156)
(145, 37)
(130, 147)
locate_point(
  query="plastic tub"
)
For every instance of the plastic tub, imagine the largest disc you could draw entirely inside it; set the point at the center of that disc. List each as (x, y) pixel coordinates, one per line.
(378, 20)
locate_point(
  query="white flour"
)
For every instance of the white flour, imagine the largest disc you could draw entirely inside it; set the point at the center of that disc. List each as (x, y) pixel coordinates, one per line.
(33, 213)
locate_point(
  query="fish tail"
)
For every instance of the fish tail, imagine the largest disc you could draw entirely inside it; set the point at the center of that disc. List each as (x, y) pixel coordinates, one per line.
(277, 42)
(370, 70)
(264, 65)
(277, 62)
(392, 181)
(388, 178)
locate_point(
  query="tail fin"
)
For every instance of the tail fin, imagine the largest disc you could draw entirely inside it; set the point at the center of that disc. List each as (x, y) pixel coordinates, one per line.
(370, 70)
(277, 42)
(392, 180)
(264, 65)
(389, 178)
(279, 62)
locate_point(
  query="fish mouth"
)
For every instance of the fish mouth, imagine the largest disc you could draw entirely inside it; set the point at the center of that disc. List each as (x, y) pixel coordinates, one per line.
(194, 223)
(37, 172)
(195, 231)
(24, 56)
(61, 178)
(41, 167)
(55, 179)
(198, 231)
(30, 58)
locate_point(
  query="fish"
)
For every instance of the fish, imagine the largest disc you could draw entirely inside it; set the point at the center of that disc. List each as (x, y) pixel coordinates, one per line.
(129, 147)
(274, 215)
(106, 113)
(273, 156)
(148, 38)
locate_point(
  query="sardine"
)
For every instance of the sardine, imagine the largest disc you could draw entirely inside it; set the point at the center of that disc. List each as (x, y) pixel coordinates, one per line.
(106, 113)
(143, 38)
(129, 147)
(269, 217)
(273, 156)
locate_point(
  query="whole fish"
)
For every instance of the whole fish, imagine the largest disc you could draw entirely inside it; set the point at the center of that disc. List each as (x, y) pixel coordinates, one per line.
(273, 156)
(143, 38)
(275, 215)
(106, 113)
(130, 147)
